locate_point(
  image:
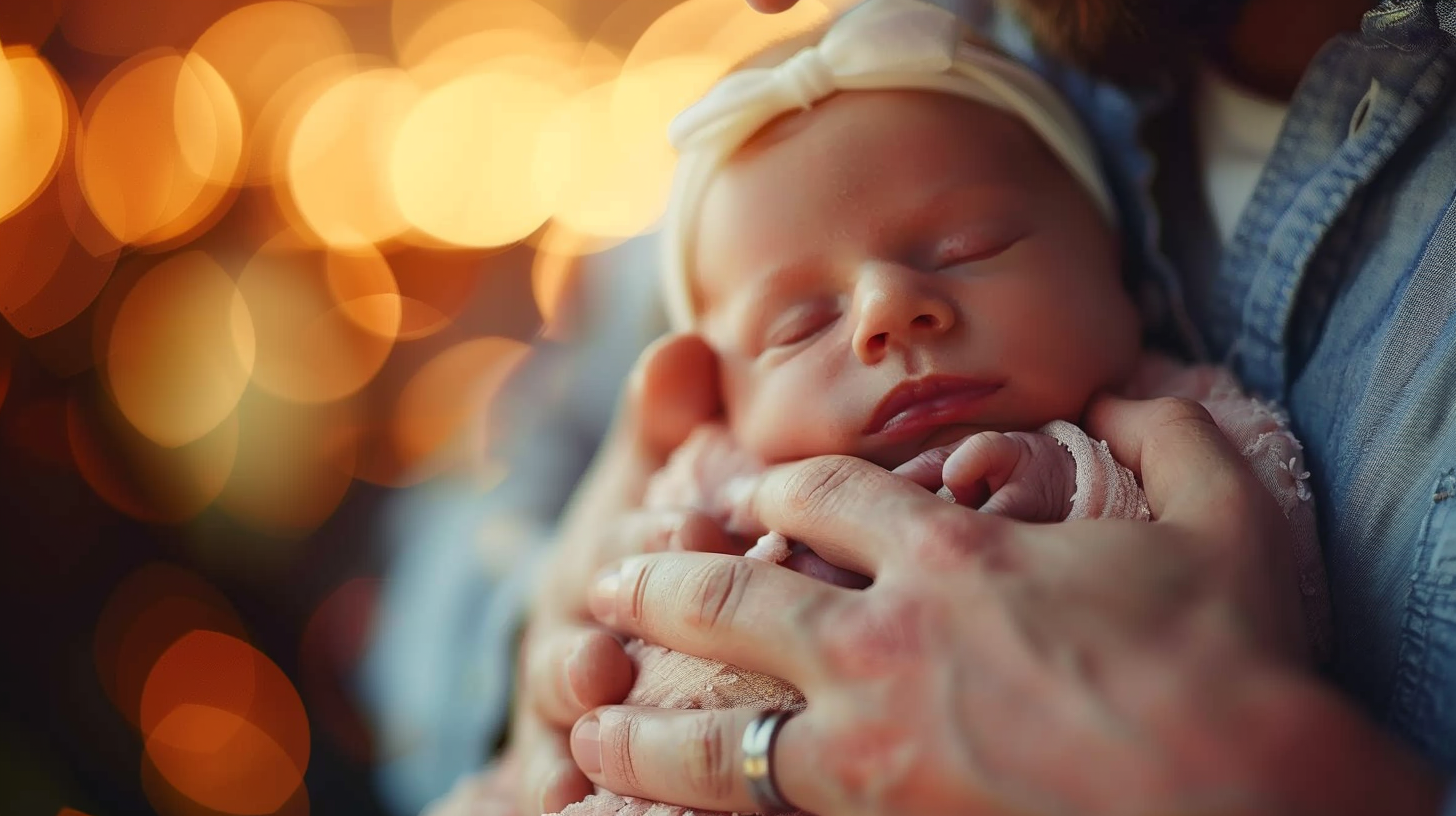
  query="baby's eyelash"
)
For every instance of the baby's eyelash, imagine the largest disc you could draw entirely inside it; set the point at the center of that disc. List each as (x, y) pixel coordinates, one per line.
(798, 324)
(959, 249)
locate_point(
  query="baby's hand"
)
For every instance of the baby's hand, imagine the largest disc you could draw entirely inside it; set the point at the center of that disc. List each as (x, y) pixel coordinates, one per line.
(1025, 476)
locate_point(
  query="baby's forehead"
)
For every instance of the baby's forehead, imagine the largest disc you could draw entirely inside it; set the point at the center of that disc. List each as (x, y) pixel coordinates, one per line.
(859, 160)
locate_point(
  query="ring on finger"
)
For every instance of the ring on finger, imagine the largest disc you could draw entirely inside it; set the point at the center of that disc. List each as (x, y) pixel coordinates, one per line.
(758, 744)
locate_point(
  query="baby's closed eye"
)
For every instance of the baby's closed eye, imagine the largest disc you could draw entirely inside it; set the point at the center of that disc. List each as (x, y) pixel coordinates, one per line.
(799, 323)
(960, 249)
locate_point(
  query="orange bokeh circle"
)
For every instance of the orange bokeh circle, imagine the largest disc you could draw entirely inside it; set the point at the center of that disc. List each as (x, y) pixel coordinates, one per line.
(246, 49)
(35, 120)
(458, 168)
(339, 159)
(443, 413)
(293, 465)
(147, 612)
(330, 650)
(514, 26)
(181, 350)
(36, 243)
(160, 147)
(122, 29)
(224, 725)
(147, 481)
(323, 322)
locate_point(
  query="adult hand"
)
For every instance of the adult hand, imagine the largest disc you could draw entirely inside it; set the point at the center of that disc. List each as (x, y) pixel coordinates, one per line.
(999, 667)
(568, 663)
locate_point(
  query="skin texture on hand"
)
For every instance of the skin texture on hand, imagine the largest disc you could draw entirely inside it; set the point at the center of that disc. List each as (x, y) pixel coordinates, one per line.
(570, 664)
(993, 667)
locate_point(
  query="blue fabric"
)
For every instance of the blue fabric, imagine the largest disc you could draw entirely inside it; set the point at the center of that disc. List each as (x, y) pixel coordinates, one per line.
(1336, 297)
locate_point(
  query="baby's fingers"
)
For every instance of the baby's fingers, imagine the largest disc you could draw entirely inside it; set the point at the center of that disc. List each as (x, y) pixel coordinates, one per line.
(926, 469)
(981, 466)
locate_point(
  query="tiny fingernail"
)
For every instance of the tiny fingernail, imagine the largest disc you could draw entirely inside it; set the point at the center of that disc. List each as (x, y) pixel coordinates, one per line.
(603, 600)
(586, 746)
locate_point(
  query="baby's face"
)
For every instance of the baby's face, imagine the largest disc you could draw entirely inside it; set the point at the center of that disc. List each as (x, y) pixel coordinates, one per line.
(891, 271)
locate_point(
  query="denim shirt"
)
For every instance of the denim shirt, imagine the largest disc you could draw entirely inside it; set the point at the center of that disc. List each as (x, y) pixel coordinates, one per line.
(1337, 298)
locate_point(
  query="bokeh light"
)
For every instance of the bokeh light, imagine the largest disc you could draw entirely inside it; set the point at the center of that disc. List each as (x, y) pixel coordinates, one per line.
(553, 273)
(333, 642)
(34, 118)
(323, 321)
(435, 286)
(604, 157)
(166, 800)
(122, 29)
(160, 148)
(725, 30)
(457, 167)
(147, 481)
(257, 50)
(264, 264)
(294, 464)
(339, 159)
(46, 278)
(181, 351)
(273, 128)
(449, 398)
(31, 22)
(224, 725)
(491, 28)
(147, 612)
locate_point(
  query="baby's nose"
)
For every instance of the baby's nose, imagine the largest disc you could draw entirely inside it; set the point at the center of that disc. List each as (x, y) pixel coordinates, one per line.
(898, 307)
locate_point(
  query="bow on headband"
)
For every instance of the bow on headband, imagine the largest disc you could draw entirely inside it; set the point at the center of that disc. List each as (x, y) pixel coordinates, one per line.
(879, 45)
(879, 37)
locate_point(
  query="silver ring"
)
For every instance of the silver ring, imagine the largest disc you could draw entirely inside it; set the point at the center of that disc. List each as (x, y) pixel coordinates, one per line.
(758, 745)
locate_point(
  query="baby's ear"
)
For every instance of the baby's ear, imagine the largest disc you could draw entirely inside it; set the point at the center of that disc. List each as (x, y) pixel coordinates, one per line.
(674, 389)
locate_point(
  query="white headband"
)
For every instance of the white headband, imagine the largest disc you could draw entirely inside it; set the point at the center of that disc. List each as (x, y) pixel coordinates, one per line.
(879, 45)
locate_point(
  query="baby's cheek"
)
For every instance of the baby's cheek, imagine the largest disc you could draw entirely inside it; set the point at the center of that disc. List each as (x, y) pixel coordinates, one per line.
(791, 423)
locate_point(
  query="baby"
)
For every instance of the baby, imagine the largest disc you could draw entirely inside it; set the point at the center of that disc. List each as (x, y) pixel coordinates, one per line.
(900, 247)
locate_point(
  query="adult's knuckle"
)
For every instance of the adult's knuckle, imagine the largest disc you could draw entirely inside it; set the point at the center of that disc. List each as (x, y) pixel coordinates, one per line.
(878, 638)
(639, 588)
(814, 489)
(943, 539)
(618, 745)
(716, 592)
(708, 758)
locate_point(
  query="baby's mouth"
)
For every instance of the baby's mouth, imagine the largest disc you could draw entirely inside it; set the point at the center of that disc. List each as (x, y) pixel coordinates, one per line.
(807, 562)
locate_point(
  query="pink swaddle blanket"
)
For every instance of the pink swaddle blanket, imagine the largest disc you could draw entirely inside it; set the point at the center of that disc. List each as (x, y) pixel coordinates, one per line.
(697, 474)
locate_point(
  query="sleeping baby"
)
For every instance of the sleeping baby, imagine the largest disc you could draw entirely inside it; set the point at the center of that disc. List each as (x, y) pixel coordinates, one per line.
(900, 247)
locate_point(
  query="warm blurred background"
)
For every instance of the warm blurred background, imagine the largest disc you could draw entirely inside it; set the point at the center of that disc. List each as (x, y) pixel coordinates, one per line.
(265, 267)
